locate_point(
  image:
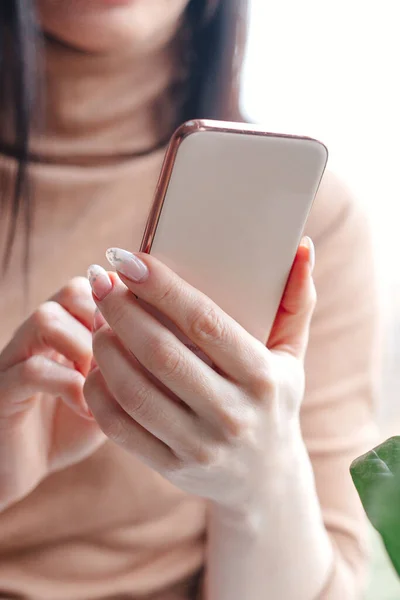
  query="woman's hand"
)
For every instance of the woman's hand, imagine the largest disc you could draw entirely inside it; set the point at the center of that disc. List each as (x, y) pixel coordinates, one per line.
(218, 431)
(45, 423)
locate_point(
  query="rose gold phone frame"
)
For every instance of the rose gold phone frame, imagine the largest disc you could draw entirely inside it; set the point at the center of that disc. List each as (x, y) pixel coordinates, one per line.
(166, 171)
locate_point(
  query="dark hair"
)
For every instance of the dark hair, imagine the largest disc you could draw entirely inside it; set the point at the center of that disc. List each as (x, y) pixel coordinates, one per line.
(17, 88)
(216, 28)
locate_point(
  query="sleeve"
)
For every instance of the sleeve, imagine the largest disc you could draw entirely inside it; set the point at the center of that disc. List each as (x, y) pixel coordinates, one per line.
(342, 364)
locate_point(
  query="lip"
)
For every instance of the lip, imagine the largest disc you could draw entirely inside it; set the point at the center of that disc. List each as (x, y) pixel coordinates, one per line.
(106, 2)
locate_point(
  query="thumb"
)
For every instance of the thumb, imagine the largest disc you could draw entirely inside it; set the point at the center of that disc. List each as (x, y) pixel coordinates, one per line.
(292, 323)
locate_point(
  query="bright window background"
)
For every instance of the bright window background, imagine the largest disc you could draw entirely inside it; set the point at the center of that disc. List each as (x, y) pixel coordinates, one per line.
(331, 69)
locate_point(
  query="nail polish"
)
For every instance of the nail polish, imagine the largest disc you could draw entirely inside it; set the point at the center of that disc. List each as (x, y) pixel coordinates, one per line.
(307, 241)
(127, 264)
(100, 281)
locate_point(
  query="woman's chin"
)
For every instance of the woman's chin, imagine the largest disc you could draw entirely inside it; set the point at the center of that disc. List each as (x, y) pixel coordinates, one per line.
(109, 25)
(97, 25)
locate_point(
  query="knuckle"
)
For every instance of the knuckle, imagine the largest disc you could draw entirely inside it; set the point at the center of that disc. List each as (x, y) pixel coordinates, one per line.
(308, 302)
(208, 325)
(113, 426)
(32, 369)
(136, 399)
(263, 383)
(48, 316)
(312, 300)
(74, 384)
(175, 469)
(75, 288)
(201, 450)
(236, 425)
(205, 455)
(165, 359)
(168, 292)
(189, 461)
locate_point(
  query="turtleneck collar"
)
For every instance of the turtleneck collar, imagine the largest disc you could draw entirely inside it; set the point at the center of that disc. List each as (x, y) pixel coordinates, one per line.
(101, 108)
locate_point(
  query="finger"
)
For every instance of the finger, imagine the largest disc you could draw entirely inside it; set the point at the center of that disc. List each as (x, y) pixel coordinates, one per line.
(232, 349)
(76, 297)
(39, 374)
(160, 414)
(74, 438)
(163, 355)
(50, 327)
(291, 328)
(119, 427)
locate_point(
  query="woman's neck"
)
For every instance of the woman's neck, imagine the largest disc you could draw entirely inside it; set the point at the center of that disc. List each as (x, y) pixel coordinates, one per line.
(100, 108)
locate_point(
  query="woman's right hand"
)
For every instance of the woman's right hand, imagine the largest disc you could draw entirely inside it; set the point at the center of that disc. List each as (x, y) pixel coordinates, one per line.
(45, 424)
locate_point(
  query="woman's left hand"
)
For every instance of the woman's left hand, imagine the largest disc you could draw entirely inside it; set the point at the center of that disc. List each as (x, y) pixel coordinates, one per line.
(218, 431)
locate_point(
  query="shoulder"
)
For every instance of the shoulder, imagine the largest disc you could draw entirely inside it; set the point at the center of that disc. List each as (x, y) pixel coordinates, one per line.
(338, 220)
(345, 264)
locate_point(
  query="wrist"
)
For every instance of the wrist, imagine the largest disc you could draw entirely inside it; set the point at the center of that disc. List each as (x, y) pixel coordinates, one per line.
(284, 472)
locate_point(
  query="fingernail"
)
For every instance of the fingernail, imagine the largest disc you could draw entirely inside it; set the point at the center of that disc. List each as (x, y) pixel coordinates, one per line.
(307, 241)
(127, 264)
(98, 320)
(100, 281)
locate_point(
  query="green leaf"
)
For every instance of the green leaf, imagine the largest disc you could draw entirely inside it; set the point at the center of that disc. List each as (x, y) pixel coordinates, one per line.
(376, 476)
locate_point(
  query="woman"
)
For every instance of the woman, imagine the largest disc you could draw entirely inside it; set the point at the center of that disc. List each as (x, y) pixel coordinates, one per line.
(108, 489)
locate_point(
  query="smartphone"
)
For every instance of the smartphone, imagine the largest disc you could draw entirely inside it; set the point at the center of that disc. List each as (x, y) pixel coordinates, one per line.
(229, 211)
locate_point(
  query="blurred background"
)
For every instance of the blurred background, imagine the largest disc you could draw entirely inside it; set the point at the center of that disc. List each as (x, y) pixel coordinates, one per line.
(329, 69)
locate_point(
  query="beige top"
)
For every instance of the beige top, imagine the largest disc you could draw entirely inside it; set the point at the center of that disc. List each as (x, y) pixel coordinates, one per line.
(109, 527)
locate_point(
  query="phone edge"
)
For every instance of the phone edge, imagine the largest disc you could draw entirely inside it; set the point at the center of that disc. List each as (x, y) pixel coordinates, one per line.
(183, 131)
